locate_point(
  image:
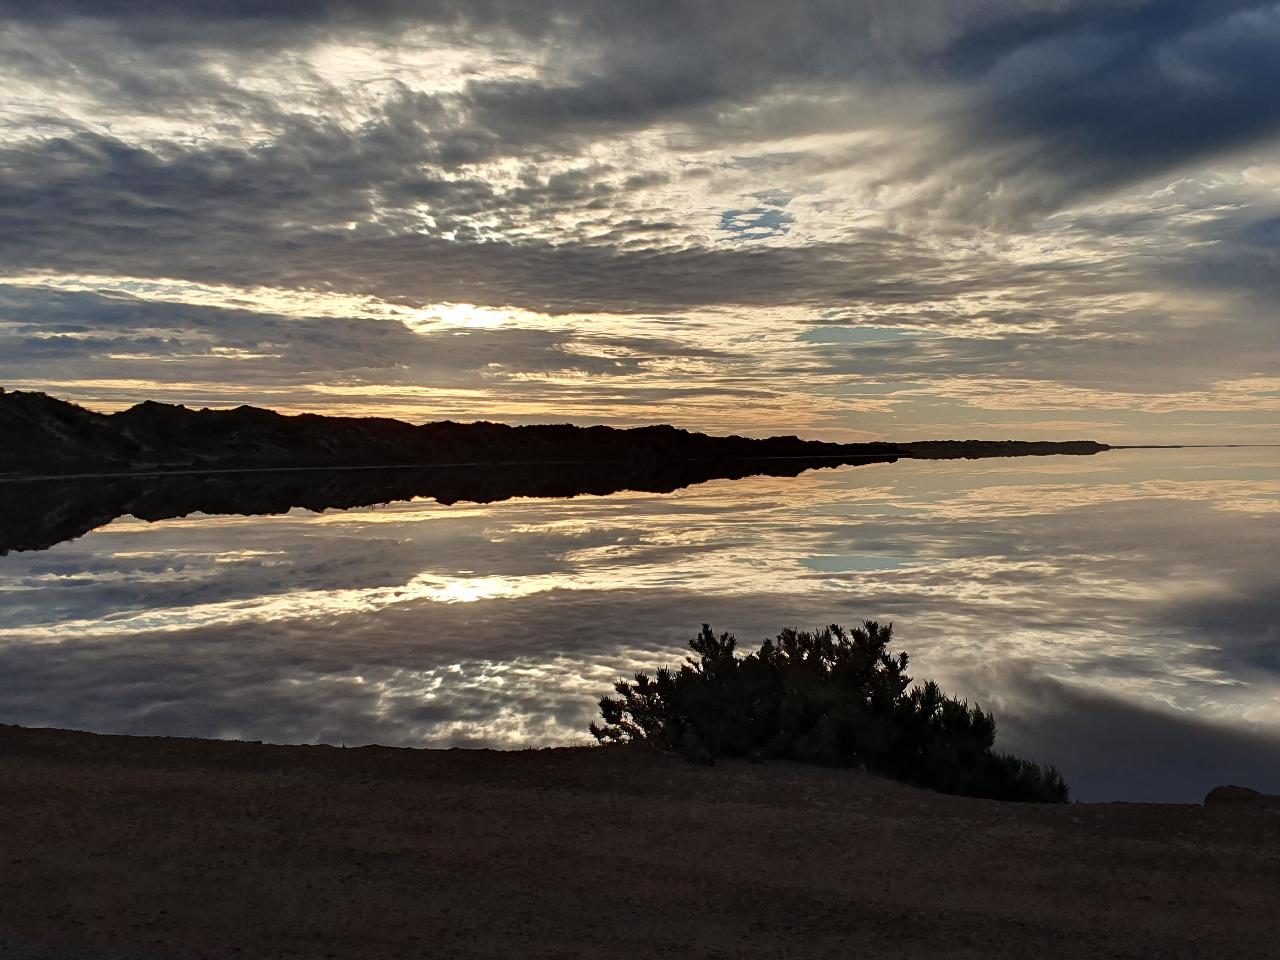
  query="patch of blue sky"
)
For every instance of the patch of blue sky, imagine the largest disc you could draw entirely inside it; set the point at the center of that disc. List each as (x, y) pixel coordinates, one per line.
(756, 223)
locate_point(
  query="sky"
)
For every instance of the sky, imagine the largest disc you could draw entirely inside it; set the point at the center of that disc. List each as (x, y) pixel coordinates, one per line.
(865, 219)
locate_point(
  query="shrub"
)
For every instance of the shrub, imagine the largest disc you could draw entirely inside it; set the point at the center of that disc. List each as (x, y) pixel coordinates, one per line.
(836, 697)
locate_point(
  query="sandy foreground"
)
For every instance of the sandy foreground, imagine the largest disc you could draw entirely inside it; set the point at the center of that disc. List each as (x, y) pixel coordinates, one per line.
(144, 848)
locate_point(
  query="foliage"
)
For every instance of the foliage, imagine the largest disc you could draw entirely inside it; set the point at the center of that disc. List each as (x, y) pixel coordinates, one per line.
(835, 696)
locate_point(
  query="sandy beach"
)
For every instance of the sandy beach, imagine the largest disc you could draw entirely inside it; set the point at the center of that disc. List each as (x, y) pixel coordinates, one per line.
(124, 847)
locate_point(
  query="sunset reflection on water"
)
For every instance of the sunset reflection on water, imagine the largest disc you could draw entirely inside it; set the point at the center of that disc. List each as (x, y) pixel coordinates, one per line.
(1088, 601)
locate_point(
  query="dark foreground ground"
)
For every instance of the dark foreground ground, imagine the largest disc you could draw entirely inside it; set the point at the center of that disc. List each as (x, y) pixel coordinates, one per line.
(139, 849)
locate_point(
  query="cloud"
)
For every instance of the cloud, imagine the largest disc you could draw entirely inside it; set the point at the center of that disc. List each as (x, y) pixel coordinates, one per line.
(1074, 197)
(1130, 95)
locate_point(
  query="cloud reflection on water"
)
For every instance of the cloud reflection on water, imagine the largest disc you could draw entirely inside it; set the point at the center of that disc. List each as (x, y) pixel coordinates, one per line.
(1139, 587)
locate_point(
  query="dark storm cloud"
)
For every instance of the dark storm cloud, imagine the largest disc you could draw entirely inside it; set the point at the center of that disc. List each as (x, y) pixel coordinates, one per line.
(1128, 94)
(1057, 100)
(265, 24)
(799, 32)
(1130, 87)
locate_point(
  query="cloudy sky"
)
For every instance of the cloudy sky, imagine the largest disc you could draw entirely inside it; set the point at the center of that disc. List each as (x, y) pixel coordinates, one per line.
(864, 218)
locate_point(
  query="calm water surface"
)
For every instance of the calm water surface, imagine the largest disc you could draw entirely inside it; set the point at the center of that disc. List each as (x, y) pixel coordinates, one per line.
(1118, 613)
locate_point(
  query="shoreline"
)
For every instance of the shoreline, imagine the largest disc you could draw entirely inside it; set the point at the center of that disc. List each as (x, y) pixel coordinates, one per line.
(835, 459)
(468, 464)
(161, 847)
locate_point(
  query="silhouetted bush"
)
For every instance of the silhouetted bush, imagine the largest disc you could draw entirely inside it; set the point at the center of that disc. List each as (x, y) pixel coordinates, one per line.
(837, 697)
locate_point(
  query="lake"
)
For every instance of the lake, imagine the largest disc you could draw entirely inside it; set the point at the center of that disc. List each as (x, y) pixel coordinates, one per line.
(1119, 613)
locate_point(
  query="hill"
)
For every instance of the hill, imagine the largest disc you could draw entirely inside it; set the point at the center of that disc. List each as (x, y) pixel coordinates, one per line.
(41, 435)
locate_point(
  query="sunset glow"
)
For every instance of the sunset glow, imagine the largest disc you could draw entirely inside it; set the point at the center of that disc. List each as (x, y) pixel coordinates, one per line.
(1042, 219)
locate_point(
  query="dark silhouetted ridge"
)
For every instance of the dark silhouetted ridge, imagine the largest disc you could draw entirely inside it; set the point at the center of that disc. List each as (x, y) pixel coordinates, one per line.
(41, 435)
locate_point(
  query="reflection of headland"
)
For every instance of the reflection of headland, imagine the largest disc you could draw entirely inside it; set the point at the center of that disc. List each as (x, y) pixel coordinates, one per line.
(83, 469)
(37, 514)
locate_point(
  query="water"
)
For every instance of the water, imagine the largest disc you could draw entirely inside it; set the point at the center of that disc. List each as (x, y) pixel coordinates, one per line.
(1118, 612)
